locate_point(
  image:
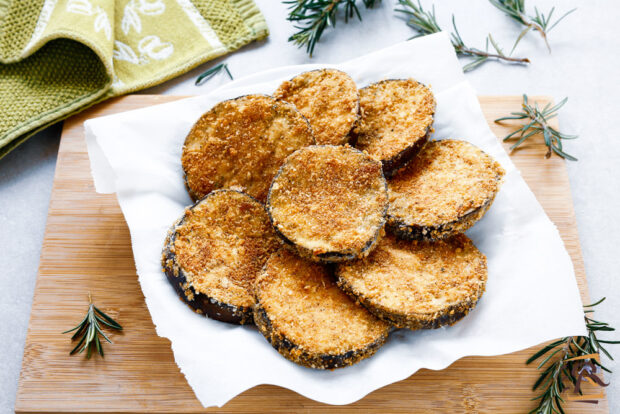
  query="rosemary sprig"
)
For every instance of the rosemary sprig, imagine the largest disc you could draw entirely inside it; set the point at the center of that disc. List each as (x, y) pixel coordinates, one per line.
(314, 16)
(425, 23)
(541, 23)
(89, 330)
(212, 72)
(558, 371)
(538, 121)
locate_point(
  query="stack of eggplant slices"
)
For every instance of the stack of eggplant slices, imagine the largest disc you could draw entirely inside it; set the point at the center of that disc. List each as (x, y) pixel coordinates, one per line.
(326, 216)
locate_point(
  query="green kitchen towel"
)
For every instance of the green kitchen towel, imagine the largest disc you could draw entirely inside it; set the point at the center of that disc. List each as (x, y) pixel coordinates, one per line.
(58, 57)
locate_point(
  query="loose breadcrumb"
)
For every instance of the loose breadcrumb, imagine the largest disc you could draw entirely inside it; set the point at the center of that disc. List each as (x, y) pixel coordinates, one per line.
(418, 284)
(328, 98)
(241, 143)
(329, 201)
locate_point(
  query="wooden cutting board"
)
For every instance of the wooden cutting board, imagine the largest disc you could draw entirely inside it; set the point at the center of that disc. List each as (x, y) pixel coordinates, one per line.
(87, 248)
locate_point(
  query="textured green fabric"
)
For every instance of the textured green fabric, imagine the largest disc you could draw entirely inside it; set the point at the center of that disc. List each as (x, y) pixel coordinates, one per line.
(17, 22)
(58, 57)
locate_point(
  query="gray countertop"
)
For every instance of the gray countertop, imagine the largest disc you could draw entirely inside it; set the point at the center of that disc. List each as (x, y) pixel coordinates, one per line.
(583, 66)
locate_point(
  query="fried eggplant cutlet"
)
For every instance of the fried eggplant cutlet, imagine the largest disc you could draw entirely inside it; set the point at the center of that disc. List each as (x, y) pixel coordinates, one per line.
(447, 188)
(307, 319)
(328, 202)
(417, 284)
(214, 252)
(396, 118)
(241, 143)
(328, 98)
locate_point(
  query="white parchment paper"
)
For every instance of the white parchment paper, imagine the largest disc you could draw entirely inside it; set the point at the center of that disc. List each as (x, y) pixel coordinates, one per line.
(531, 294)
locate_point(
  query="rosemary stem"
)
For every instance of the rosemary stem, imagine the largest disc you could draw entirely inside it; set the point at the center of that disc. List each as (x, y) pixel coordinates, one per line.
(570, 359)
(88, 331)
(537, 28)
(478, 52)
(312, 17)
(325, 12)
(537, 122)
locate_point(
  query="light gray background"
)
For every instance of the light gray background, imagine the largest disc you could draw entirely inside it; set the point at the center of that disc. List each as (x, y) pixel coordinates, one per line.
(583, 66)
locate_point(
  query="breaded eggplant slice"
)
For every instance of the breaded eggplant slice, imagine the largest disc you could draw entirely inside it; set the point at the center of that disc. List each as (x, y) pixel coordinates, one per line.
(417, 284)
(308, 319)
(447, 188)
(396, 118)
(329, 202)
(328, 98)
(241, 143)
(214, 252)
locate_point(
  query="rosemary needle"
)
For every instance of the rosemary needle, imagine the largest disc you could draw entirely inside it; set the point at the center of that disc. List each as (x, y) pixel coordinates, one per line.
(425, 23)
(538, 122)
(515, 9)
(558, 369)
(212, 72)
(312, 17)
(89, 330)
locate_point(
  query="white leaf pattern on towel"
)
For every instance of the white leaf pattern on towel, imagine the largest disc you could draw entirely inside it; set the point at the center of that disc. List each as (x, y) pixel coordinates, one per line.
(80, 7)
(131, 19)
(125, 52)
(153, 47)
(117, 83)
(150, 48)
(103, 23)
(151, 7)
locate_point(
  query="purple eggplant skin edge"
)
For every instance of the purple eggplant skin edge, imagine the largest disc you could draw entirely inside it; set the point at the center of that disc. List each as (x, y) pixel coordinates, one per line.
(307, 358)
(200, 302)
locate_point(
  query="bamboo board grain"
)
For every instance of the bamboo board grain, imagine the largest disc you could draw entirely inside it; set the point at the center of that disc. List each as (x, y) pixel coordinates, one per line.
(87, 248)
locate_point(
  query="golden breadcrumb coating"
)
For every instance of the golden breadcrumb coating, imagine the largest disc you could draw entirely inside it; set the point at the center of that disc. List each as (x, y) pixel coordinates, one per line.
(329, 200)
(222, 243)
(447, 182)
(328, 98)
(394, 116)
(303, 305)
(241, 143)
(418, 284)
